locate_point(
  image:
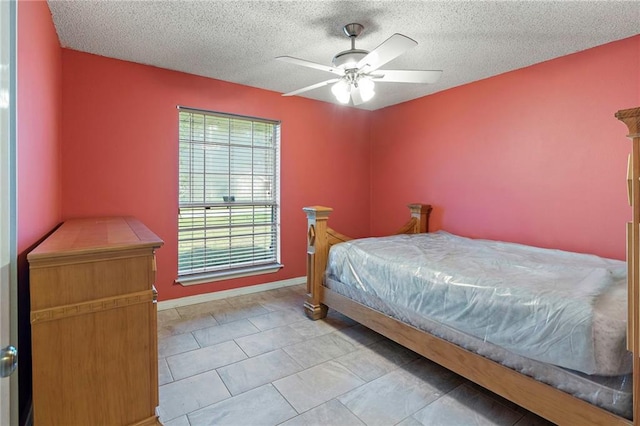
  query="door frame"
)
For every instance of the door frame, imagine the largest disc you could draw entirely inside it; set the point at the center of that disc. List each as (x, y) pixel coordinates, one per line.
(8, 203)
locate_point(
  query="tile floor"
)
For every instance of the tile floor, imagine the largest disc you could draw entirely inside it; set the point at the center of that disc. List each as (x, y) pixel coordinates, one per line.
(257, 360)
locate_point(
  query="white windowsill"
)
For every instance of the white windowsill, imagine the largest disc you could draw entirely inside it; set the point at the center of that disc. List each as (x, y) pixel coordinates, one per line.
(209, 277)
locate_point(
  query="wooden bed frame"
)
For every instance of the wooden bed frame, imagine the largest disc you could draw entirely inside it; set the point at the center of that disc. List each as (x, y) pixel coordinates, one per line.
(544, 400)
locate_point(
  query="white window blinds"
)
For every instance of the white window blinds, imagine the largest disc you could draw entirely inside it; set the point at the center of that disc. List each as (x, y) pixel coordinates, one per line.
(228, 180)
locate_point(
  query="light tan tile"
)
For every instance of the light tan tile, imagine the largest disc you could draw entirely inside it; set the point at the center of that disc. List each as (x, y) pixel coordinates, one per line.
(284, 301)
(257, 371)
(432, 374)
(390, 398)
(164, 374)
(275, 338)
(278, 318)
(248, 299)
(279, 292)
(224, 332)
(320, 349)
(465, 405)
(231, 313)
(184, 396)
(200, 309)
(205, 359)
(317, 385)
(267, 341)
(359, 334)
(337, 316)
(298, 289)
(167, 315)
(409, 421)
(329, 413)
(180, 421)
(185, 325)
(258, 407)
(309, 328)
(172, 345)
(371, 362)
(498, 398)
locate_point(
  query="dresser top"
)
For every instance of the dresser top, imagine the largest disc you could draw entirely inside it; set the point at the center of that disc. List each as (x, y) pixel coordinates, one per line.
(95, 235)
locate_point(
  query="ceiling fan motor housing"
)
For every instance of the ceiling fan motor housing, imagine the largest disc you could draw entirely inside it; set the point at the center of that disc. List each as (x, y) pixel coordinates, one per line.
(349, 58)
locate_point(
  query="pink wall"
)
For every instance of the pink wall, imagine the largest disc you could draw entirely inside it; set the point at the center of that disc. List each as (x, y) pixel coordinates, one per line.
(39, 101)
(120, 154)
(533, 156)
(39, 115)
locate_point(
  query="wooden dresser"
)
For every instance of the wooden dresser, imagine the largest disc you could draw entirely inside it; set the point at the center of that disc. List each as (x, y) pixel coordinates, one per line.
(93, 324)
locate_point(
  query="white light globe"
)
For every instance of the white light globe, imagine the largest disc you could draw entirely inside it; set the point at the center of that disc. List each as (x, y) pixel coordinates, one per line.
(341, 90)
(367, 88)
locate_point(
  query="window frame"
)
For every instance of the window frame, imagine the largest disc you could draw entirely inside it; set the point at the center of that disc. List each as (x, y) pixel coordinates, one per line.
(209, 272)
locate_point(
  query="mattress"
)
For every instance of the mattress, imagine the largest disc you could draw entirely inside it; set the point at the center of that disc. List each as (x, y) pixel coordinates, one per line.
(556, 307)
(355, 270)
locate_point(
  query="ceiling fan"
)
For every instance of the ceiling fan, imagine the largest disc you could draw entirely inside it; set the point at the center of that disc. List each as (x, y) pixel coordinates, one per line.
(358, 69)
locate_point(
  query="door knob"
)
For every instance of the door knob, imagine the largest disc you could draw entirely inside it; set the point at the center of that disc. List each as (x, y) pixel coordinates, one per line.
(8, 361)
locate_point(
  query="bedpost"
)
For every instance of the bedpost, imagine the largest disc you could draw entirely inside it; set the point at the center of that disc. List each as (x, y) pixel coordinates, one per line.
(317, 253)
(421, 212)
(631, 117)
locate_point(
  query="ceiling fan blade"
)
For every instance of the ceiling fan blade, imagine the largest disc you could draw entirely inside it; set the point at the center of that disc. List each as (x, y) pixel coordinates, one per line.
(390, 49)
(313, 86)
(407, 76)
(310, 64)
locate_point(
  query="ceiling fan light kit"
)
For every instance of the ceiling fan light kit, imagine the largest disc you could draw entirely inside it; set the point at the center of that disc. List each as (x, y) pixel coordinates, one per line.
(357, 69)
(342, 91)
(354, 87)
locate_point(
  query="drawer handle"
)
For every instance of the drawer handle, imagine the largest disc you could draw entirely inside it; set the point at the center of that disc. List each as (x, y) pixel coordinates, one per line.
(155, 294)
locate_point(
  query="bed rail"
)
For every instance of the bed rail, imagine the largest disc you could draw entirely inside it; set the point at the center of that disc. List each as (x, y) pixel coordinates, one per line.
(320, 238)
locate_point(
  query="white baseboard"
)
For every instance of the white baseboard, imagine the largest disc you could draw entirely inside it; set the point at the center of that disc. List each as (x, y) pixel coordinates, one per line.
(207, 297)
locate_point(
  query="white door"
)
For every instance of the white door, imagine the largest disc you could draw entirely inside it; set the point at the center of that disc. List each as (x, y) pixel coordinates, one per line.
(8, 283)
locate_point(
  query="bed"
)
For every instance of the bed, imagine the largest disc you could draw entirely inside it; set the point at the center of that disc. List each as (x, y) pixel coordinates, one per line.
(593, 385)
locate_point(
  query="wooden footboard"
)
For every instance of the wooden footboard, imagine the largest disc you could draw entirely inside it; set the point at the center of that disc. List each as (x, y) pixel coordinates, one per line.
(544, 400)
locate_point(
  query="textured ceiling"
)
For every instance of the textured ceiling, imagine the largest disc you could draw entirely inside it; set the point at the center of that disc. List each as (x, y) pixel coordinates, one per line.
(237, 41)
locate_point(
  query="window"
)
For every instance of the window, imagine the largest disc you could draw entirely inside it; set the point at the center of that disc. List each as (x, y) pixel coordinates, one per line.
(228, 222)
